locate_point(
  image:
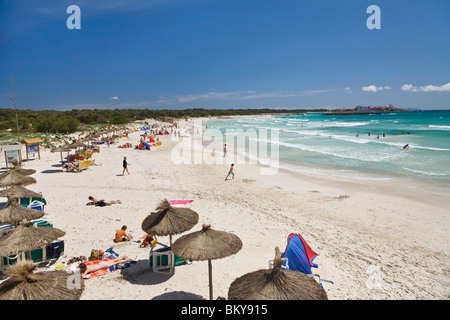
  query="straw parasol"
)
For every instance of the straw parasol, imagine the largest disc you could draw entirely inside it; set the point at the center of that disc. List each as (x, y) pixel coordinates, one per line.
(276, 284)
(70, 146)
(62, 149)
(207, 244)
(24, 238)
(18, 192)
(78, 144)
(169, 220)
(17, 168)
(15, 213)
(14, 178)
(24, 284)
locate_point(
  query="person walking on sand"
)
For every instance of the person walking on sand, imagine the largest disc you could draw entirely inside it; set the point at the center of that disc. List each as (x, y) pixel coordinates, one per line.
(230, 172)
(125, 166)
(225, 150)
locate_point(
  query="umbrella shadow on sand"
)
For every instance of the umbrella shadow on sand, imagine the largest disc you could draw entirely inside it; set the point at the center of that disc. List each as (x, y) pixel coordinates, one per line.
(52, 171)
(140, 273)
(178, 295)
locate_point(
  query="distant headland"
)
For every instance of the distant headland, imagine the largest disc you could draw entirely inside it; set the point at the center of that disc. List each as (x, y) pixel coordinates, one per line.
(367, 110)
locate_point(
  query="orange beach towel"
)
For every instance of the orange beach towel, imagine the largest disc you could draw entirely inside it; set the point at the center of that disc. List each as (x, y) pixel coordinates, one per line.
(96, 273)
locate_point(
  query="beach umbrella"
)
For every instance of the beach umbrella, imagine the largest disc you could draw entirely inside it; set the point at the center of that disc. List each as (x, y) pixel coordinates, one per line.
(25, 238)
(62, 149)
(14, 178)
(25, 284)
(207, 244)
(78, 144)
(18, 170)
(70, 146)
(276, 284)
(168, 220)
(18, 191)
(15, 213)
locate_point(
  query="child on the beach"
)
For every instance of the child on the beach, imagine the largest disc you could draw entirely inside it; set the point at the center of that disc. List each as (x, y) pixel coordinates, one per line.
(230, 172)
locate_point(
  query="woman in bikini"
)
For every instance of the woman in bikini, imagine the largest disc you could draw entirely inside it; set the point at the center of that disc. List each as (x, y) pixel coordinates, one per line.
(86, 269)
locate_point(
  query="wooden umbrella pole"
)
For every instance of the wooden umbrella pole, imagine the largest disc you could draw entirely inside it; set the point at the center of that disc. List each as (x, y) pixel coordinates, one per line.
(210, 280)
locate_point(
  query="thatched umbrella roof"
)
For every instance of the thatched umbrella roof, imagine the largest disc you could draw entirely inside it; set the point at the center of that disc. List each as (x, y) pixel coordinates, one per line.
(78, 144)
(70, 146)
(169, 220)
(207, 244)
(62, 149)
(18, 192)
(17, 169)
(24, 238)
(15, 213)
(14, 178)
(24, 284)
(276, 284)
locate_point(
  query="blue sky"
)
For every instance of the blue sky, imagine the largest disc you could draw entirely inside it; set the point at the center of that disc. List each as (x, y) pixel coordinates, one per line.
(176, 54)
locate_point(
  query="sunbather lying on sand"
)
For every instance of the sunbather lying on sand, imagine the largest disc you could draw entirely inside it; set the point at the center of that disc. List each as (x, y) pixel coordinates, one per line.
(86, 269)
(102, 203)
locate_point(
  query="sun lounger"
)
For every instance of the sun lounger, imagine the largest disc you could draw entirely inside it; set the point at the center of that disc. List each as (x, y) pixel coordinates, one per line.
(87, 153)
(163, 260)
(44, 254)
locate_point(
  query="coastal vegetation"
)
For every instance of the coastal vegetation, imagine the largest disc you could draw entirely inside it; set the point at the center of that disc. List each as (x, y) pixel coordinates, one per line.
(52, 121)
(52, 124)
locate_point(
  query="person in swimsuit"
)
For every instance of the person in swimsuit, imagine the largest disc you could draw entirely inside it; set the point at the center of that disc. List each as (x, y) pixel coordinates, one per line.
(102, 203)
(86, 269)
(125, 166)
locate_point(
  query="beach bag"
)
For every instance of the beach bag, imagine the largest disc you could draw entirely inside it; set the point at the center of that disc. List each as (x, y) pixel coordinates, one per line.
(110, 254)
(96, 255)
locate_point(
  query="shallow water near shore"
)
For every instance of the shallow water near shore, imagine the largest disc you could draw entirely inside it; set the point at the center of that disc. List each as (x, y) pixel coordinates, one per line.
(357, 148)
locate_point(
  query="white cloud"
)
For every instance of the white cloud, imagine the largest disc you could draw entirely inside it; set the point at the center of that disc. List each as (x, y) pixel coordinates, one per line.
(114, 98)
(348, 89)
(374, 88)
(243, 95)
(428, 88)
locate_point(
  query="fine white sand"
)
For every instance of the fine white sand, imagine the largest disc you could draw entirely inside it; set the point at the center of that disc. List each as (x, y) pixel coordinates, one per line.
(371, 245)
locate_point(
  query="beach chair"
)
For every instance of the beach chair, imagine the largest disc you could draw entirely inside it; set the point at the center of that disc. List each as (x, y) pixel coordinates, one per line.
(87, 154)
(54, 250)
(163, 260)
(299, 256)
(82, 165)
(33, 203)
(41, 223)
(6, 228)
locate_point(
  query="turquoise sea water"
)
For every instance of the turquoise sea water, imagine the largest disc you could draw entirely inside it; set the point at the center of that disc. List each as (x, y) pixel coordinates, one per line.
(340, 145)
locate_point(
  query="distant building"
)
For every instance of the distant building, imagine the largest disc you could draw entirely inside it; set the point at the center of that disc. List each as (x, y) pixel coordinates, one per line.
(362, 109)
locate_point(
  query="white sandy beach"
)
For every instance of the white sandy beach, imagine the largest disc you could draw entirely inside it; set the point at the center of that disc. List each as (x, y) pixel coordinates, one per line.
(371, 245)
